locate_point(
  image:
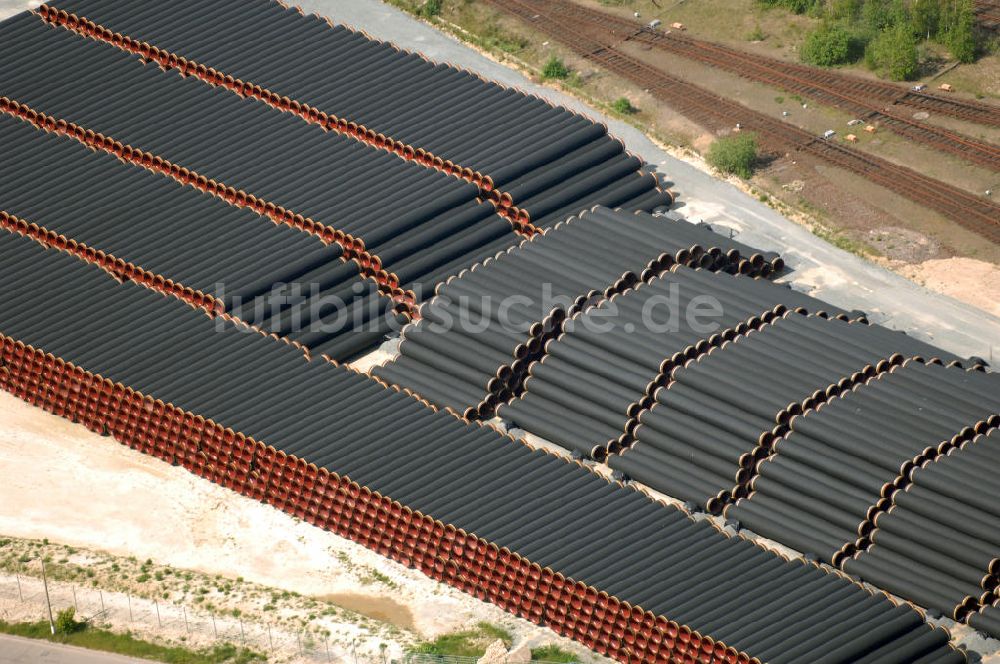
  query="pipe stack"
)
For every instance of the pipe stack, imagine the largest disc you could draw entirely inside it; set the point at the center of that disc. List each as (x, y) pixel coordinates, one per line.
(894, 482)
(938, 540)
(345, 453)
(866, 440)
(605, 366)
(716, 416)
(484, 328)
(408, 226)
(522, 152)
(152, 230)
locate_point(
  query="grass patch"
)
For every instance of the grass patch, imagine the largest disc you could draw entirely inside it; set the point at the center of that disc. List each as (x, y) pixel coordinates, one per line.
(126, 644)
(552, 653)
(466, 643)
(842, 241)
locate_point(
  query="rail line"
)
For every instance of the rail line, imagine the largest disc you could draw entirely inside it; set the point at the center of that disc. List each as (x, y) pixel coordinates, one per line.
(867, 100)
(966, 209)
(987, 13)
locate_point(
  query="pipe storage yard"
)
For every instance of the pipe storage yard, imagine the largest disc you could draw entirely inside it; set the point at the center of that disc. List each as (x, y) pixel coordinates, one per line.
(544, 527)
(539, 285)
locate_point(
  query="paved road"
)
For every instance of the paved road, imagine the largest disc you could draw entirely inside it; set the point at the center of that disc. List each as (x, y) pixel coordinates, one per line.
(819, 268)
(15, 650)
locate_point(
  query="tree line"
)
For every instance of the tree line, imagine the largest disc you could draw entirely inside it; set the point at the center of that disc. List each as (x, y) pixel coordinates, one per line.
(886, 34)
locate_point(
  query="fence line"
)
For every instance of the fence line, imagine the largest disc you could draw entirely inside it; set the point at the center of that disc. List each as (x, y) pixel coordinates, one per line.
(165, 619)
(200, 628)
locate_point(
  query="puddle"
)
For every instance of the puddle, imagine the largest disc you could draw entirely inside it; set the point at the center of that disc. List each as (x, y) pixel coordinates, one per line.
(380, 608)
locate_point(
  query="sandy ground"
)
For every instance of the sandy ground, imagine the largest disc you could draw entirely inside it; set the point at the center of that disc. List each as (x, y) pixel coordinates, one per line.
(64, 483)
(966, 279)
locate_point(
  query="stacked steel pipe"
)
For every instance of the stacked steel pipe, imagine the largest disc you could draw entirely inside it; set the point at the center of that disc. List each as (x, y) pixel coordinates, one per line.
(869, 437)
(546, 161)
(347, 454)
(153, 231)
(605, 366)
(483, 330)
(717, 415)
(893, 481)
(938, 540)
(409, 226)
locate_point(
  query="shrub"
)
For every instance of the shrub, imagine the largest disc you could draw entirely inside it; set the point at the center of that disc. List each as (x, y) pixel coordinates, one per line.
(555, 68)
(430, 8)
(735, 155)
(826, 46)
(66, 622)
(623, 106)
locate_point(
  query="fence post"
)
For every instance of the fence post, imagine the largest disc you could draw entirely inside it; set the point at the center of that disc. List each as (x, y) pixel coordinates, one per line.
(243, 636)
(129, 596)
(270, 642)
(214, 629)
(101, 594)
(327, 641)
(157, 607)
(20, 595)
(45, 582)
(186, 627)
(75, 604)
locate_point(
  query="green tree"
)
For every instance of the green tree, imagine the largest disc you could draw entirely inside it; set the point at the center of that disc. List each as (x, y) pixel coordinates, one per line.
(893, 53)
(555, 68)
(926, 17)
(960, 38)
(735, 155)
(881, 15)
(826, 46)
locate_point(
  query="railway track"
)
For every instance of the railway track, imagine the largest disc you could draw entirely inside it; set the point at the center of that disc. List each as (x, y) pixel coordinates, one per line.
(870, 101)
(878, 93)
(987, 13)
(966, 209)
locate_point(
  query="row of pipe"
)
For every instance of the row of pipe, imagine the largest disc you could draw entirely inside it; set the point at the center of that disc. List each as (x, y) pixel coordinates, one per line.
(353, 248)
(67, 187)
(115, 266)
(555, 161)
(475, 367)
(598, 620)
(934, 543)
(720, 414)
(419, 224)
(937, 538)
(592, 382)
(247, 89)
